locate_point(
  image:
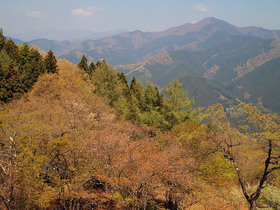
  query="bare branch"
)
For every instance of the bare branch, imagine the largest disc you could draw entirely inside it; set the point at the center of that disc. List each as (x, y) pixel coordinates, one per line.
(273, 169)
(12, 139)
(3, 199)
(264, 207)
(3, 168)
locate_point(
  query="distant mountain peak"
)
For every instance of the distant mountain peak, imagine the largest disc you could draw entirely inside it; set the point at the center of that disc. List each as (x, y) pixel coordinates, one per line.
(208, 20)
(213, 21)
(195, 27)
(137, 32)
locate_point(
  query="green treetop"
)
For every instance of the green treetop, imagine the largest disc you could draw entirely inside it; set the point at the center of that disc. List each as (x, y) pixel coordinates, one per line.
(177, 106)
(83, 64)
(11, 85)
(51, 63)
(2, 39)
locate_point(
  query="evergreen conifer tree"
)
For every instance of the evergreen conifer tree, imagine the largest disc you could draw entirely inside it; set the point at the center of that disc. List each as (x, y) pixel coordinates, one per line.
(24, 56)
(11, 85)
(91, 68)
(159, 98)
(32, 69)
(12, 50)
(51, 63)
(125, 85)
(83, 64)
(2, 39)
(177, 106)
(98, 63)
(136, 89)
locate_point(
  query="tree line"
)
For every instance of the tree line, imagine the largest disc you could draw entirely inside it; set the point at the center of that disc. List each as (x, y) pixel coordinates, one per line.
(146, 104)
(63, 147)
(20, 67)
(172, 109)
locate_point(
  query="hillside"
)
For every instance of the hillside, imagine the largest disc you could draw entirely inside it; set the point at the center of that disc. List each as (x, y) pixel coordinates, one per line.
(82, 150)
(82, 137)
(260, 86)
(205, 74)
(211, 49)
(77, 151)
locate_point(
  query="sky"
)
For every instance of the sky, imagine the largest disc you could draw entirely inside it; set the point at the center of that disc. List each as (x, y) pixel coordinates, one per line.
(21, 16)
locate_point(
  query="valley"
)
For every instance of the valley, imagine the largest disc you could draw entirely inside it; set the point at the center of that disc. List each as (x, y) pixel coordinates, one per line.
(213, 51)
(187, 118)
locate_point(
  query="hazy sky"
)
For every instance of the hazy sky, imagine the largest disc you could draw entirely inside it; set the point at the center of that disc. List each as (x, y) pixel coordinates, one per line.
(145, 15)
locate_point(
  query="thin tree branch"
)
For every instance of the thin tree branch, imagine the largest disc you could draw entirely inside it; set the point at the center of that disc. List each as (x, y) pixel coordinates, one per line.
(3, 200)
(3, 168)
(264, 207)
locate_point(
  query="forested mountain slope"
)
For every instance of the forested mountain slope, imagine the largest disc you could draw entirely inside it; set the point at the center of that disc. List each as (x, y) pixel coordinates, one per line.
(137, 46)
(206, 74)
(212, 49)
(260, 86)
(71, 149)
(83, 137)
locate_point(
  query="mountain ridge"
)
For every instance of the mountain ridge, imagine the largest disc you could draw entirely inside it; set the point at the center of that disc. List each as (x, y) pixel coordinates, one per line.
(136, 46)
(213, 52)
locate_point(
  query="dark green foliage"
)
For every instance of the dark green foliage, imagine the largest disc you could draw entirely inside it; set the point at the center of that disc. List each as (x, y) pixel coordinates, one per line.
(32, 69)
(204, 91)
(91, 68)
(51, 63)
(10, 84)
(124, 83)
(136, 89)
(24, 56)
(151, 95)
(98, 63)
(2, 39)
(177, 107)
(261, 85)
(143, 105)
(4, 62)
(20, 67)
(83, 64)
(12, 50)
(107, 82)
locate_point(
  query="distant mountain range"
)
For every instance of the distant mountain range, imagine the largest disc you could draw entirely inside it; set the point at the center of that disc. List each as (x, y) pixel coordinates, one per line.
(137, 46)
(61, 35)
(215, 60)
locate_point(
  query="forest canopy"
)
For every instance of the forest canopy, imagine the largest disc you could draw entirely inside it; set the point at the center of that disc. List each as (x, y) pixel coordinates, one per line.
(82, 137)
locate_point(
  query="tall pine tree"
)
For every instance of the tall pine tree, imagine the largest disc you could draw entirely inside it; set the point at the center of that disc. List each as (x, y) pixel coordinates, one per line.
(125, 86)
(91, 68)
(12, 50)
(83, 64)
(2, 39)
(11, 85)
(51, 63)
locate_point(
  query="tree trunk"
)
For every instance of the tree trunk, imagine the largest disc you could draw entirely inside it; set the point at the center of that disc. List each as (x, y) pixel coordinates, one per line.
(253, 205)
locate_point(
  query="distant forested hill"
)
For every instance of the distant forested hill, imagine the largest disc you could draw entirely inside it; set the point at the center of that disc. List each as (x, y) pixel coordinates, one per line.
(261, 86)
(210, 54)
(209, 74)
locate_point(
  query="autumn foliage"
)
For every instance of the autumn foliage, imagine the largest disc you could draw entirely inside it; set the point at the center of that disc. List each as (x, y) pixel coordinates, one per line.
(86, 139)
